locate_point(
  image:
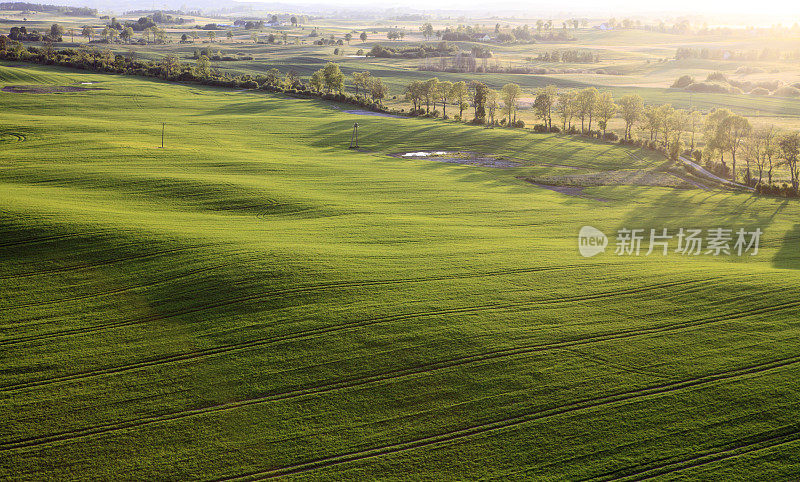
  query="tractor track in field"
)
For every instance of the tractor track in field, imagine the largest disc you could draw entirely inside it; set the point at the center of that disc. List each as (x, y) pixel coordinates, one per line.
(275, 294)
(12, 137)
(337, 284)
(234, 347)
(514, 421)
(66, 269)
(45, 239)
(116, 290)
(375, 378)
(312, 288)
(762, 441)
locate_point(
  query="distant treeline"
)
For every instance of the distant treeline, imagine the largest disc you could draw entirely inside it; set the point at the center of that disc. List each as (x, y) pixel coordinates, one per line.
(60, 9)
(171, 69)
(519, 34)
(23, 34)
(218, 55)
(443, 49)
(569, 56)
(195, 13)
(725, 54)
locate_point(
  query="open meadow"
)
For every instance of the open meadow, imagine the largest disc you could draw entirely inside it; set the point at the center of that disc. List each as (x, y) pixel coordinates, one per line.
(255, 299)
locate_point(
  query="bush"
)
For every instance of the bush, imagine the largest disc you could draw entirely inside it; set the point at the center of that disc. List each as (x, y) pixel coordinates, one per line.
(787, 91)
(770, 85)
(708, 88)
(759, 91)
(682, 82)
(610, 136)
(539, 128)
(519, 123)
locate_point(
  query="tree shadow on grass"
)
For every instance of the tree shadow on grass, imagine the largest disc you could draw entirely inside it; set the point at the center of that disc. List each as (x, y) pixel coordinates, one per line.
(788, 255)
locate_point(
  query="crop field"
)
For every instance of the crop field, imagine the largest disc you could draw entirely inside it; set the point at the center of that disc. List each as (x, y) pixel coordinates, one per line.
(256, 300)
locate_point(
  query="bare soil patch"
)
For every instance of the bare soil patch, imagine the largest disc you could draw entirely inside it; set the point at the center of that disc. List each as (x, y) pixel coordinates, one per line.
(630, 177)
(462, 157)
(46, 89)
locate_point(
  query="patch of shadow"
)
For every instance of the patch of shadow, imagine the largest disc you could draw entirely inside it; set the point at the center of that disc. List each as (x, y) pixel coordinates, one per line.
(574, 191)
(371, 113)
(788, 256)
(46, 89)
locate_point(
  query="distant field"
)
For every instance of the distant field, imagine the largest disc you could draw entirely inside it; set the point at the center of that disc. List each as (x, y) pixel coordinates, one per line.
(641, 61)
(256, 300)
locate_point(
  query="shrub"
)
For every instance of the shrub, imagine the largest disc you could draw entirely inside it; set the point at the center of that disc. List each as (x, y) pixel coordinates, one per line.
(708, 87)
(682, 82)
(787, 91)
(610, 136)
(769, 84)
(519, 123)
(759, 91)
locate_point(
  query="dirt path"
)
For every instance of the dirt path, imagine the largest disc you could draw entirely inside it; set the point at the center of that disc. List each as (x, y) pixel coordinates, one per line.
(714, 177)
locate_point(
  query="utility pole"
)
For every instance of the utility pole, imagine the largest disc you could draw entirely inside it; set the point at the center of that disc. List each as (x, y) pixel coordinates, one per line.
(354, 137)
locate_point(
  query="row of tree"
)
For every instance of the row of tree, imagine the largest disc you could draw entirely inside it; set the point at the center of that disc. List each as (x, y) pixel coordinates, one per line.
(485, 102)
(673, 131)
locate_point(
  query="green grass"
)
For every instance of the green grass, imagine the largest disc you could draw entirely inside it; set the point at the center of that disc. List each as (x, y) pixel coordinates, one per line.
(257, 299)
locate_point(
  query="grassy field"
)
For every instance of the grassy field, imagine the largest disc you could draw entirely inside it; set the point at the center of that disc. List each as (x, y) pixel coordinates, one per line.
(257, 300)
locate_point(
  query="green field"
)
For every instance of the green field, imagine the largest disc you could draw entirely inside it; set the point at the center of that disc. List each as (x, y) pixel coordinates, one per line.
(257, 300)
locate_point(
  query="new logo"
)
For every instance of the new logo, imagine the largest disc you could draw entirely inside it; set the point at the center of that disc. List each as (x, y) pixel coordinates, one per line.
(591, 241)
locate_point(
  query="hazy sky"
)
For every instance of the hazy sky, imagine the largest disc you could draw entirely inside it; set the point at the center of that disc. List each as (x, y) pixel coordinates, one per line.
(776, 10)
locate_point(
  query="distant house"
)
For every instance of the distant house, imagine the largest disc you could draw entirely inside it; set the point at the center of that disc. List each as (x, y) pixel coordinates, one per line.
(484, 38)
(603, 26)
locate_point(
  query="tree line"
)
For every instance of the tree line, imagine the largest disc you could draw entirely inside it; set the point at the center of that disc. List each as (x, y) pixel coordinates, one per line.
(731, 147)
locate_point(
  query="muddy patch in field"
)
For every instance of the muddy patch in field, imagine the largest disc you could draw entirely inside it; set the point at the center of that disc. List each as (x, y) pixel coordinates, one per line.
(620, 177)
(46, 89)
(461, 157)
